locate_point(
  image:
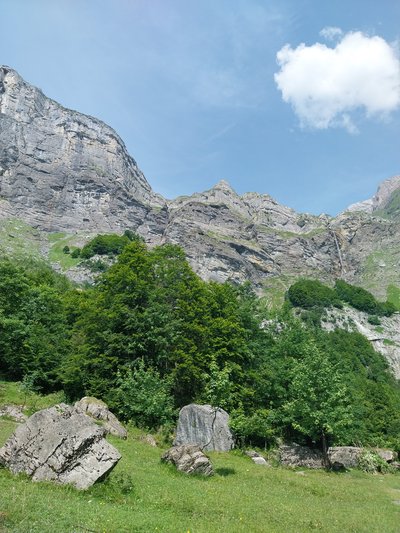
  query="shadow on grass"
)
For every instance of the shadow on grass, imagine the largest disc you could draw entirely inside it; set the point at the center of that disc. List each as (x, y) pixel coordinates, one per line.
(225, 471)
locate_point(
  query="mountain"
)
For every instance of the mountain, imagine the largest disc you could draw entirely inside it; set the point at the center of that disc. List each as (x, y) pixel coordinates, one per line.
(64, 171)
(65, 176)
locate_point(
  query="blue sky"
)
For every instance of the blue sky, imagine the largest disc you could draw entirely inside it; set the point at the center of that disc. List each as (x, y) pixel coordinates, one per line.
(203, 90)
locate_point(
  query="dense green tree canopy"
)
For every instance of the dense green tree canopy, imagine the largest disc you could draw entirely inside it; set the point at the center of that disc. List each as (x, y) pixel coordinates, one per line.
(150, 336)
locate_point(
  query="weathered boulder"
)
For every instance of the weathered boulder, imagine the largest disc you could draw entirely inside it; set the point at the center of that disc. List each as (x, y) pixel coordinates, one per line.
(256, 458)
(296, 455)
(387, 455)
(59, 444)
(344, 456)
(149, 439)
(15, 412)
(99, 410)
(204, 426)
(189, 459)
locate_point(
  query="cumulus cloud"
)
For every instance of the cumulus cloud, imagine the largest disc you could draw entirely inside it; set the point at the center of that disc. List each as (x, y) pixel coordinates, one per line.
(326, 86)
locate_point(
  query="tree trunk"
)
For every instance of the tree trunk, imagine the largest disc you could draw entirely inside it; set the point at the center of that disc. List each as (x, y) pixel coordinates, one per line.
(325, 450)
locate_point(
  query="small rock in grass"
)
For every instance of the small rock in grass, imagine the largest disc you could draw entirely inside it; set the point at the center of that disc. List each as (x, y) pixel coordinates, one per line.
(189, 459)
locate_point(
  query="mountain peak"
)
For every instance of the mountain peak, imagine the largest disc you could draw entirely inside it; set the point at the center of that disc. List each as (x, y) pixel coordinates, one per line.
(224, 186)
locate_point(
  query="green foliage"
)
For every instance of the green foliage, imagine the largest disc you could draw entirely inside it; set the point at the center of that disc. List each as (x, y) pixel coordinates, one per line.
(362, 299)
(76, 253)
(151, 336)
(373, 391)
(255, 429)
(141, 396)
(33, 338)
(318, 403)
(312, 294)
(374, 320)
(218, 387)
(307, 293)
(371, 462)
(108, 244)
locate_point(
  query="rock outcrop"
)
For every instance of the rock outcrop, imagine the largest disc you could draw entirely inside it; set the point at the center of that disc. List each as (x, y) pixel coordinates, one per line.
(64, 171)
(204, 426)
(189, 459)
(294, 455)
(385, 337)
(59, 444)
(344, 456)
(99, 410)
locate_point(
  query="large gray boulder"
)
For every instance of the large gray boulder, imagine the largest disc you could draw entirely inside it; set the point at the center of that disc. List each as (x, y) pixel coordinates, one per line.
(204, 426)
(59, 444)
(189, 459)
(98, 410)
(344, 456)
(295, 455)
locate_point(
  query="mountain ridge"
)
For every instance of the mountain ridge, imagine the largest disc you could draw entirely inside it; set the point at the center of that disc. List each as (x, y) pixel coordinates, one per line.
(62, 171)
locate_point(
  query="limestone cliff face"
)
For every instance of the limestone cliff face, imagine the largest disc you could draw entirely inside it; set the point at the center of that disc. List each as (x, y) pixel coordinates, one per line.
(227, 236)
(64, 171)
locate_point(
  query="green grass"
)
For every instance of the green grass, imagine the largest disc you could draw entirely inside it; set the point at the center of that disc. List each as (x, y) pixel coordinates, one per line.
(393, 295)
(241, 497)
(379, 270)
(13, 393)
(18, 239)
(56, 254)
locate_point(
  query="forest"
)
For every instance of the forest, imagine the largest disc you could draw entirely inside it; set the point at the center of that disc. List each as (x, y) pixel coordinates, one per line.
(150, 336)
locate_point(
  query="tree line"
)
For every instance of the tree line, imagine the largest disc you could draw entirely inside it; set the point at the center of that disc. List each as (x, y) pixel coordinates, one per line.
(150, 336)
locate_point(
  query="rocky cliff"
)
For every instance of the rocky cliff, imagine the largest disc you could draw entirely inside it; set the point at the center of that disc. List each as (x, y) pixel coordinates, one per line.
(62, 171)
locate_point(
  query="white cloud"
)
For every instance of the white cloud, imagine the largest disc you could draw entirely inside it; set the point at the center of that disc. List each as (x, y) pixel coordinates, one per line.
(331, 33)
(325, 86)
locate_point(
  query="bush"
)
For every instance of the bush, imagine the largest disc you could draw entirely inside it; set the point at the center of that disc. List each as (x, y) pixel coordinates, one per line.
(255, 429)
(66, 250)
(357, 297)
(111, 244)
(309, 293)
(143, 397)
(76, 253)
(362, 299)
(374, 320)
(371, 462)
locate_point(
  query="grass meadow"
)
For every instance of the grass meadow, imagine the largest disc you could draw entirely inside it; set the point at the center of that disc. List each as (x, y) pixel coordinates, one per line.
(144, 495)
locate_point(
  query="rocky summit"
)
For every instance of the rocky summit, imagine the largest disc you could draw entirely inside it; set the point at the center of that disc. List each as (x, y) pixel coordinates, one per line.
(62, 171)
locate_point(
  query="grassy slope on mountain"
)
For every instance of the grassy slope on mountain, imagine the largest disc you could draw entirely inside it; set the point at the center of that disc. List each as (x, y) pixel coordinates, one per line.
(241, 496)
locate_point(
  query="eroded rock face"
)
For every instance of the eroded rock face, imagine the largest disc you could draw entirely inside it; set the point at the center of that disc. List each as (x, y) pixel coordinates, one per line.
(64, 171)
(204, 426)
(98, 410)
(296, 455)
(189, 459)
(59, 444)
